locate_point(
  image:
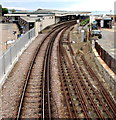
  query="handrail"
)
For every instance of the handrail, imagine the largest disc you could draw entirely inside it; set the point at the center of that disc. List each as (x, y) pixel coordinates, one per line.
(8, 58)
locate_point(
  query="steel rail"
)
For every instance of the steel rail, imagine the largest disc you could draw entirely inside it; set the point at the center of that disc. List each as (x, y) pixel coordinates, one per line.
(96, 93)
(95, 106)
(104, 92)
(80, 96)
(47, 75)
(29, 73)
(84, 85)
(77, 86)
(62, 76)
(93, 89)
(28, 76)
(46, 78)
(68, 98)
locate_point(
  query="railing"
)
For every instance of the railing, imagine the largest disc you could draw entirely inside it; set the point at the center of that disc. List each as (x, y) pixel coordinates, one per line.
(7, 58)
(108, 59)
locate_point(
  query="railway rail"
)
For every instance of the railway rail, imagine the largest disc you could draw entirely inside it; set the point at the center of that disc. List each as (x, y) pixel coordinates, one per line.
(84, 94)
(35, 100)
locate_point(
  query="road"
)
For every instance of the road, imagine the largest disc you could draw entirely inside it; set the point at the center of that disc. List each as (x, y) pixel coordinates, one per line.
(108, 41)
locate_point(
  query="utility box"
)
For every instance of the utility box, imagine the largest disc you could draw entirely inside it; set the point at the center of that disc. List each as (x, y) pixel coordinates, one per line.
(78, 21)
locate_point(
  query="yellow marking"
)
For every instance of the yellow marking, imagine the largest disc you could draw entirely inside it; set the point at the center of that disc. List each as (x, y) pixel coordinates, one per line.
(113, 49)
(110, 30)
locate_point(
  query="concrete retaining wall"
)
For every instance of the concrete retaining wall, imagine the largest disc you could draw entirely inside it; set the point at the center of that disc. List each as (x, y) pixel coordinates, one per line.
(107, 73)
(46, 21)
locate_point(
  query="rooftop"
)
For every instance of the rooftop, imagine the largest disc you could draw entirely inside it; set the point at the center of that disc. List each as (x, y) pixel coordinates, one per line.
(46, 12)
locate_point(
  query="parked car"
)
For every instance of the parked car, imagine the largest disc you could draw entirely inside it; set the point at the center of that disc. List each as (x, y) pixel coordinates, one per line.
(96, 33)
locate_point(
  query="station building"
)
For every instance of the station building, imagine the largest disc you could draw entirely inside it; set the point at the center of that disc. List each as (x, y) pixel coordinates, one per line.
(42, 18)
(106, 21)
(26, 22)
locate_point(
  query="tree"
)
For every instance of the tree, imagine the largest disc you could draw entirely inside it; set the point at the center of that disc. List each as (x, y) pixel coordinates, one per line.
(0, 10)
(4, 11)
(13, 10)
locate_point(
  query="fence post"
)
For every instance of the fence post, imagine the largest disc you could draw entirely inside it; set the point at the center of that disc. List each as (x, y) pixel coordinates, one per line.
(3, 63)
(10, 57)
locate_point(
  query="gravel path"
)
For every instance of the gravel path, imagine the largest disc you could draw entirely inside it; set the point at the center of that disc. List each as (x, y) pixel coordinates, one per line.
(14, 83)
(59, 111)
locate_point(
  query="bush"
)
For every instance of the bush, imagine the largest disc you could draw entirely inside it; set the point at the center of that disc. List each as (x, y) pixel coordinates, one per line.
(84, 22)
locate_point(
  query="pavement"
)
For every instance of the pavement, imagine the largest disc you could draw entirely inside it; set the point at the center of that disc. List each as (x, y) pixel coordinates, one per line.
(6, 34)
(108, 41)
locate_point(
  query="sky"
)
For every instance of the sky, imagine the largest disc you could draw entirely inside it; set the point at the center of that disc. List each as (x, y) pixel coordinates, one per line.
(70, 5)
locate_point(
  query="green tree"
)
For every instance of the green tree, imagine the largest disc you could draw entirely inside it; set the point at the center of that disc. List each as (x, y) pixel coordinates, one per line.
(0, 10)
(4, 11)
(13, 10)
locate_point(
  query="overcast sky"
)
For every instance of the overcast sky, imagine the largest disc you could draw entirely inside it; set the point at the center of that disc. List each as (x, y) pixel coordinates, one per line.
(82, 5)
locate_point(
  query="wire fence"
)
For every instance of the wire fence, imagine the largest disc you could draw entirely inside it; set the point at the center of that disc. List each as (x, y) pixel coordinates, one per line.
(7, 58)
(108, 59)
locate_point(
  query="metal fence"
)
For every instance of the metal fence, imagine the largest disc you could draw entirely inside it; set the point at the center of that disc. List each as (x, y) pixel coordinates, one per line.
(7, 58)
(108, 59)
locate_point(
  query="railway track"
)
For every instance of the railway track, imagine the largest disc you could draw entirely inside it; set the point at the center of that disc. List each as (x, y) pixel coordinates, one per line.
(83, 98)
(35, 101)
(84, 94)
